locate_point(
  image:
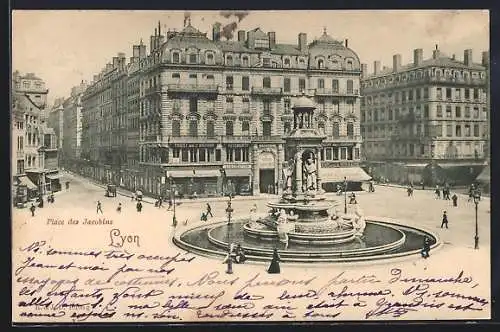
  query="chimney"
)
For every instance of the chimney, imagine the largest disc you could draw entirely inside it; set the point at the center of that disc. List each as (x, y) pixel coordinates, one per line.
(216, 32)
(485, 58)
(468, 57)
(364, 70)
(418, 56)
(142, 50)
(116, 61)
(241, 36)
(161, 40)
(396, 62)
(272, 39)
(347, 43)
(435, 53)
(302, 41)
(251, 39)
(135, 51)
(376, 67)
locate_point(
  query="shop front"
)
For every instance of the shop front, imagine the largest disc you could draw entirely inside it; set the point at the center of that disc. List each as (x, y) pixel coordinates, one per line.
(239, 180)
(26, 187)
(195, 182)
(333, 176)
(54, 178)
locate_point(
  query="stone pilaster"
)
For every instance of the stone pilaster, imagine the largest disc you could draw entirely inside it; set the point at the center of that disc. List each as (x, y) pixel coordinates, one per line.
(318, 168)
(255, 169)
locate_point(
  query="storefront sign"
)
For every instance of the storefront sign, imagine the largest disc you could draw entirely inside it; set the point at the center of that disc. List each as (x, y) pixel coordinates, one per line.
(193, 145)
(238, 145)
(266, 160)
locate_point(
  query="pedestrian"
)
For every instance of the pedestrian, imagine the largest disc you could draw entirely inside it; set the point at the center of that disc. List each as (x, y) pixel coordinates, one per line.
(454, 198)
(254, 208)
(240, 257)
(139, 206)
(209, 210)
(169, 204)
(437, 192)
(160, 201)
(352, 199)
(119, 208)
(445, 220)
(99, 207)
(203, 217)
(426, 247)
(32, 209)
(408, 191)
(274, 267)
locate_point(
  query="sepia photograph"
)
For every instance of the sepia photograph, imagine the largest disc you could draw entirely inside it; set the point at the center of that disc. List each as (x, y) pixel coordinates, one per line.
(175, 166)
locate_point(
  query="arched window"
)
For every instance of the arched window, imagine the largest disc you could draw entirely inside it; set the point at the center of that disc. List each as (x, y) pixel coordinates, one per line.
(287, 62)
(266, 82)
(175, 57)
(193, 58)
(229, 60)
(321, 64)
(229, 128)
(210, 128)
(302, 62)
(176, 128)
(349, 65)
(336, 129)
(350, 129)
(210, 59)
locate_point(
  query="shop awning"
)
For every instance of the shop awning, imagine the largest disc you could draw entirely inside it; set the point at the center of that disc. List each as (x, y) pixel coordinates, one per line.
(337, 174)
(460, 164)
(234, 172)
(484, 176)
(27, 182)
(207, 173)
(54, 176)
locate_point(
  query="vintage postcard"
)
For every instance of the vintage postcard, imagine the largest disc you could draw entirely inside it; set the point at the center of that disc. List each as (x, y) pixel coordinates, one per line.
(239, 166)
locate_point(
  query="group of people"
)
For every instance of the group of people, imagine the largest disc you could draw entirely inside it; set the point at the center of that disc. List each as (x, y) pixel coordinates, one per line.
(206, 213)
(50, 199)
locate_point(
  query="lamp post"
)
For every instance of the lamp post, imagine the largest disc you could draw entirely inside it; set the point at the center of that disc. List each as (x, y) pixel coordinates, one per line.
(476, 203)
(223, 175)
(229, 211)
(345, 195)
(172, 192)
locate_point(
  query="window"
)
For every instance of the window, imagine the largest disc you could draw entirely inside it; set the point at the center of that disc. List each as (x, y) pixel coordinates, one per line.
(192, 58)
(210, 58)
(467, 112)
(467, 93)
(229, 105)
(266, 82)
(336, 129)
(418, 94)
(266, 107)
(321, 64)
(476, 94)
(350, 86)
(403, 96)
(410, 95)
(335, 86)
(350, 129)
(286, 62)
(476, 130)
(244, 61)
(426, 93)
(266, 128)
(210, 128)
(439, 111)
(349, 65)
(439, 93)
(217, 154)
(426, 111)
(286, 85)
(476, 112)
(176, 128)
(390, 114)
(286, 105)
(229, 60)
(245, 127)
(458, 112)
(448, 111)
(328, 154)
(245, 83)
(261, 43)
(302, 84)
(175, 57)
(286, 127)
(321, 83)
(375, 115)
(467, 130)
(193, 76)
(343, 153)
(448, 93)
(449, 130)
(229, 128)
(457, 94)
(229, 83)
(458, 130)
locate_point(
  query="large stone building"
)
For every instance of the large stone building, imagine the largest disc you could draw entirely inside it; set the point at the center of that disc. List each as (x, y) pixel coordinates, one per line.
(209, 110)
(34, 150)
(426, 121)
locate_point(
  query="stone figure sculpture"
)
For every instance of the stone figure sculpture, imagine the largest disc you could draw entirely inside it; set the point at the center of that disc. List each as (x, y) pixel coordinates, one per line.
(310, 173)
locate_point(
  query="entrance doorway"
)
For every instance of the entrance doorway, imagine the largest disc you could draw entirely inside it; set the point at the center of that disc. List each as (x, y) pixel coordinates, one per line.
(267, 184)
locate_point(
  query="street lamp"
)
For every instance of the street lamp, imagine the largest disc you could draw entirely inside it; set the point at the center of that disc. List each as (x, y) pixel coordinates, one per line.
(477, 197)
(172, 192)
(345, 195)
(229, 211)
(223, 175)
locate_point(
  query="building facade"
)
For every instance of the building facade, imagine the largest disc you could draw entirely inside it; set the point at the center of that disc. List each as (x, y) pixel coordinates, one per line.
(212, 114)
(426, 121)
(34, 150)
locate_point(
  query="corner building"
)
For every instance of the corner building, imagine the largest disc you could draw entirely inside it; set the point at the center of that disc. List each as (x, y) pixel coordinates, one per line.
(208, 105)
(428, 120)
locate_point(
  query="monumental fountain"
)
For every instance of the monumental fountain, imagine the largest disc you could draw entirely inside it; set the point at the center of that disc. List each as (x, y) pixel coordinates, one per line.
(303, 224)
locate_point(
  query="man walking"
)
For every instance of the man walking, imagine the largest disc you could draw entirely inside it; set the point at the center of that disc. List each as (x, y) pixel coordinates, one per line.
(209, 210)
(32, 209)
(454, 198)
(445, 220)
(169, 204)
(99, 207)
(119, 208)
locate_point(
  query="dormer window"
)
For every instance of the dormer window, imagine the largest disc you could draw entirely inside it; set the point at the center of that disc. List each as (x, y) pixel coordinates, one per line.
(349, 65)
(229, 60)
(210, 59)
(244, 61)
(175, 57)
(302, 62)
(321, 64)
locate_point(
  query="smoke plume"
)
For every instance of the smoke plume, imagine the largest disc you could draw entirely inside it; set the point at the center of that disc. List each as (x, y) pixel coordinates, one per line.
(228, 30)
(187, 16)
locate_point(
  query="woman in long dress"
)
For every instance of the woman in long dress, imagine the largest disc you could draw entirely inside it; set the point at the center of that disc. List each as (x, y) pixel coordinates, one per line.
(275, 263)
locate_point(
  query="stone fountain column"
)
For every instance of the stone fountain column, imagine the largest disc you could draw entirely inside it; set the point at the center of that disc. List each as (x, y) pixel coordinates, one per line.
(318, 168)
(298, 173)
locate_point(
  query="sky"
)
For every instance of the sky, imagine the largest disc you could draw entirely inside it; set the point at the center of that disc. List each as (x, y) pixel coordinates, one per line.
(65, 47)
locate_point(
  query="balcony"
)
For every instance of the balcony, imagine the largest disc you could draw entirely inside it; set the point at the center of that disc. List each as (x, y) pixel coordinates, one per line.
(267, 139)
(267, 91)
(193, 139)
(236, 139)
(344, 139)
(193, 88)
(336, 93)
